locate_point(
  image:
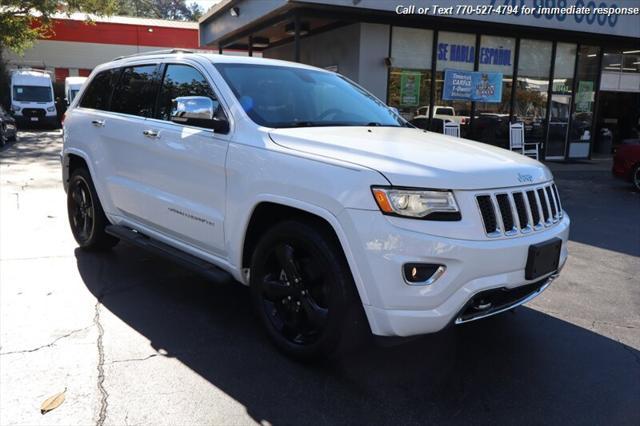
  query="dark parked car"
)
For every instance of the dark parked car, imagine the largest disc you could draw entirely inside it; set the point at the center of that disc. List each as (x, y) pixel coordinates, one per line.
(8, 130)
(626, 163)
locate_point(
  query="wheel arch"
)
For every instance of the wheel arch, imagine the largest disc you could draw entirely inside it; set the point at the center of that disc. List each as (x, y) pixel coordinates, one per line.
(72, 159)
(268, 212)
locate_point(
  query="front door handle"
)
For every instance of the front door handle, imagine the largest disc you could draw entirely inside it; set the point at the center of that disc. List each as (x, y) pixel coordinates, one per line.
(98, 123)
(151, 133)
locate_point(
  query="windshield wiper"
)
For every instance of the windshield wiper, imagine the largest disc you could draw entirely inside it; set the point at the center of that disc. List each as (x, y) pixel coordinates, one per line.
(314, 124)
(376, 124)
(334, 123)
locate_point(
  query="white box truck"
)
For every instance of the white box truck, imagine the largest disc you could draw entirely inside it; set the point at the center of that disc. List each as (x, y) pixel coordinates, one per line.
(72, 86)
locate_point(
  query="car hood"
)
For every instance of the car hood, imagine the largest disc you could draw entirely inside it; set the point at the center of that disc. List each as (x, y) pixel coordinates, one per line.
(412, 157)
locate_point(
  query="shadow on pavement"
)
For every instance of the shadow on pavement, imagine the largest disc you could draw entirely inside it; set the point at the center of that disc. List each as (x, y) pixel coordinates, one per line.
(33, 147)
(526, 367)
(604, 210)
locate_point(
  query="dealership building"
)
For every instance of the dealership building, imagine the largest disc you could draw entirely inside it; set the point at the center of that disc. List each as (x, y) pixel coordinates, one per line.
(572, 79)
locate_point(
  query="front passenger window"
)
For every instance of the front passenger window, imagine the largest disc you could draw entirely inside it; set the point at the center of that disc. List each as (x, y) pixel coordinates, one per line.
(183, 80)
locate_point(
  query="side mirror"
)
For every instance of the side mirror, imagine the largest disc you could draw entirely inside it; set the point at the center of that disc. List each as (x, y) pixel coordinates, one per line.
(198, 111)
(395, 110)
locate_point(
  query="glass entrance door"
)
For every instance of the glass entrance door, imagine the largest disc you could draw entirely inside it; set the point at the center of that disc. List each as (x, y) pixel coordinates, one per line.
(560, 108)
(580, 131)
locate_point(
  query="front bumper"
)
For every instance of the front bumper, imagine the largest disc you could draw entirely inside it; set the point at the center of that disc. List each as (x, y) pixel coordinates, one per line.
(393, 308)
(621, 170)
(49, 120)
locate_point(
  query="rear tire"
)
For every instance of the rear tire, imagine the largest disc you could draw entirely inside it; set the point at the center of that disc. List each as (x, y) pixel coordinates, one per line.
(303, 292)
(86, 217)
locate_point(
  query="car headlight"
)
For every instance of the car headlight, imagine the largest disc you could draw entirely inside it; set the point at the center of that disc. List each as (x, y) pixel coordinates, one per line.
(417, 203)
(51, 109)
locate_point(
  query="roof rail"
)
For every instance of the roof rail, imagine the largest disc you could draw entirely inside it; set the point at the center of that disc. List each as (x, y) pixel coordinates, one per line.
(40, 70)
(155, 52)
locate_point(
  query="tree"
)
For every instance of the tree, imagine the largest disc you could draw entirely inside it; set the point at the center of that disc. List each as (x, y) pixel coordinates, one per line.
(24, 21)
(160, 9)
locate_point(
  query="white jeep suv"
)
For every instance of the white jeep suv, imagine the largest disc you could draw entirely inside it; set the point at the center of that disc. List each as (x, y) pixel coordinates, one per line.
(305, 187)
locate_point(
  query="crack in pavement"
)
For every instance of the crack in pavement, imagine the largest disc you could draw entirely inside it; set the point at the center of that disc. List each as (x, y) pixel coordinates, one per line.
(613, 324)
(48, 345)
(104, 402)
(135, 359)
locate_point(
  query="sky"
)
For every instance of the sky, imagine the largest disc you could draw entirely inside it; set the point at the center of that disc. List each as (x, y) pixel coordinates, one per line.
(204, 4)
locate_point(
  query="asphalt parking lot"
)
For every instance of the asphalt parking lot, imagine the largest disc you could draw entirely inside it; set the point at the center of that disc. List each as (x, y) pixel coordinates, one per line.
(136, 340)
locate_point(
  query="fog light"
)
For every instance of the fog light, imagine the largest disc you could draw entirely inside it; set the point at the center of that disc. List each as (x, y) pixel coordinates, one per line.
(422, 273)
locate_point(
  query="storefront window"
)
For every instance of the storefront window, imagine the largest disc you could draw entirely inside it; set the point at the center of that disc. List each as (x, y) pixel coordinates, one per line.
(532, 88)
(456, 51)
(409, 87)
(631, 62)
(491, 122)
(612, 61)
(619, 99)
(580, 136)
(560, 100)
(621, 71)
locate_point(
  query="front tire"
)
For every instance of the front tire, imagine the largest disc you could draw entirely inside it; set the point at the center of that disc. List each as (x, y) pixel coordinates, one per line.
(635, 177)
(86, 217)
(303, 292)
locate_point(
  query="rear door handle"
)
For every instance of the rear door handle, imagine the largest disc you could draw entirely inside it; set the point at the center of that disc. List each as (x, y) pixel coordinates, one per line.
(98, 123)
(151, 133)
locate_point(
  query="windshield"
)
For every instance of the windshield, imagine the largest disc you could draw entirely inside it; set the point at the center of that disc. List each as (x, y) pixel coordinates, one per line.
(276, 96)
(444, 111)
(72, 94)
(32, 93)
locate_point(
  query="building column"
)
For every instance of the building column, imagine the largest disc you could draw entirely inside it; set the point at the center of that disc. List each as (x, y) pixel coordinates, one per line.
(296, 38)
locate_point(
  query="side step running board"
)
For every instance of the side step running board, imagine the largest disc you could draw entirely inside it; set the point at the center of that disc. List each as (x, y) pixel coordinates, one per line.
(198, 265)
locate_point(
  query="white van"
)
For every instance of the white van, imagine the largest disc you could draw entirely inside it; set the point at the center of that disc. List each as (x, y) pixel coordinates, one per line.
(32, 98)
(72, 86)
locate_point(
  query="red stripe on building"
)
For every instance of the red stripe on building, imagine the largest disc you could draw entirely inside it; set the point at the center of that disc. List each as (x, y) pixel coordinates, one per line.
(135, 35)
(61, 74)
(83, 72)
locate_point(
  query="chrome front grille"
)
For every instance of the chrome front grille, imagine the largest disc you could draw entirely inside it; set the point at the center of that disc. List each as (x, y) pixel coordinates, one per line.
(513, 212)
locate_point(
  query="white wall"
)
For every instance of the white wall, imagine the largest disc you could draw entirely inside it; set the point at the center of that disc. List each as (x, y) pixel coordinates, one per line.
(70, 54)
(374, 48)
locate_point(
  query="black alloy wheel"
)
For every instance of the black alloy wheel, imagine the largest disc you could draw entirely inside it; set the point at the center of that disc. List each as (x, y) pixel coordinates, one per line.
(635, 176)
(295, 292)
(86, 217)
(81, 209)
(303, 292)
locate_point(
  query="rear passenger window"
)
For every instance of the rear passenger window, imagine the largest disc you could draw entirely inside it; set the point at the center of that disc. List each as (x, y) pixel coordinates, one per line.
(135, 92)
(97, 95)
(182, 80)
